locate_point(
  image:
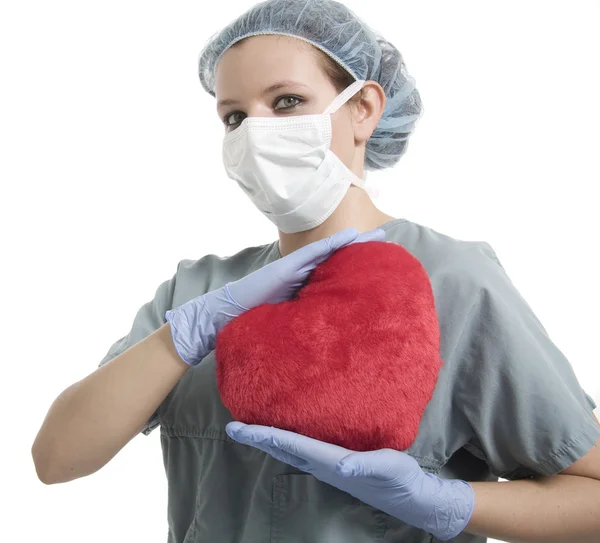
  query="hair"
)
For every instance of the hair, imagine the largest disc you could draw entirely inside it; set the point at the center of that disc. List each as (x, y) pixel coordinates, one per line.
(339, 76)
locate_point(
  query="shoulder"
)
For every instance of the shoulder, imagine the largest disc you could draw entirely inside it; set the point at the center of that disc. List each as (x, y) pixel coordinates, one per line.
(212, 270)
(449, 261)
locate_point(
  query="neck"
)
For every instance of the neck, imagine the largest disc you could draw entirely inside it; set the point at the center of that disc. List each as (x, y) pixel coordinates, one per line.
(356, 210)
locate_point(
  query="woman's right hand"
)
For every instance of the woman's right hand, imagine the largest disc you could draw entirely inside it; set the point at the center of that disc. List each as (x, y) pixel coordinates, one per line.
(195, 324)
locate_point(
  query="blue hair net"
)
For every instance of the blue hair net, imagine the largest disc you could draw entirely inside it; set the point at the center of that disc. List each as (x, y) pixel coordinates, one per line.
(338, 32)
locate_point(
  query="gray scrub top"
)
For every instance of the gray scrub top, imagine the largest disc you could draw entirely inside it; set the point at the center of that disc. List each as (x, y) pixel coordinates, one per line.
(506, 404)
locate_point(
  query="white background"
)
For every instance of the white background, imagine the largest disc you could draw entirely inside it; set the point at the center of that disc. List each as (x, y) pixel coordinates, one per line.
(111, 174)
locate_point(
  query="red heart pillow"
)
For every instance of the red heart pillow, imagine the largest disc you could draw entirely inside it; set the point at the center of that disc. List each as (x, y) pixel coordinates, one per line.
(352, 360)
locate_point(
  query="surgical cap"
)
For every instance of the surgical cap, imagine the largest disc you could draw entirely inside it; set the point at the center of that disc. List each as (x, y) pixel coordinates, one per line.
(338, 32)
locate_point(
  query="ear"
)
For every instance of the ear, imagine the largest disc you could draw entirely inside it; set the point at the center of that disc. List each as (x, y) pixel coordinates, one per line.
(367, 111)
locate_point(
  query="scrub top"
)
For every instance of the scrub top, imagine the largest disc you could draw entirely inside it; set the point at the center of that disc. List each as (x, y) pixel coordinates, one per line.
(506, 404)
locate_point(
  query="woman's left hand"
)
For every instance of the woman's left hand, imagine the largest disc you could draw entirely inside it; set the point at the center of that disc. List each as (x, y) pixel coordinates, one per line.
(387, 479)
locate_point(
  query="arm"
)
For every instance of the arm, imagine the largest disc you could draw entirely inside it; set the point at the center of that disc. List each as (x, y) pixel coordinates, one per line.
(96, 417)
(556, 509)
(560, 508)
(93, 419)
(545, 509)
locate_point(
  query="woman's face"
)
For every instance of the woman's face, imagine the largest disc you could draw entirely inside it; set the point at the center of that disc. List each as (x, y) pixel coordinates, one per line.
(279, 76)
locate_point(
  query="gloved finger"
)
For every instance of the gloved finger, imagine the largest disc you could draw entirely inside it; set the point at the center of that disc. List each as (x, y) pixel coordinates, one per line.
(338, 242)
(316, 453)
(384, 465)
(281, 456)
(288, 459)
(342, 238)
(372, 235)
(320, 250)
(264, 443)
(363, 464)
(233, 426)
(250, 434)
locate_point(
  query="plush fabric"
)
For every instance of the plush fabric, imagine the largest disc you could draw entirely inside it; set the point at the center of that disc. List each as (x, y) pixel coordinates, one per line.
(352, 360)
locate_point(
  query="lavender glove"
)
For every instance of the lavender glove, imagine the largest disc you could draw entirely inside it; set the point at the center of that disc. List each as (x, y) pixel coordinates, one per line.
(389, 480)
(195, 324)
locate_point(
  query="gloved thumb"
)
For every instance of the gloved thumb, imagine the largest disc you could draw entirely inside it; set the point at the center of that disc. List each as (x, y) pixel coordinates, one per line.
(376, 464)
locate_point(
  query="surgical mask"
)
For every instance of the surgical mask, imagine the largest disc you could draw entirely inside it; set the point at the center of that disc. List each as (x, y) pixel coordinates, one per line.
(286, 167)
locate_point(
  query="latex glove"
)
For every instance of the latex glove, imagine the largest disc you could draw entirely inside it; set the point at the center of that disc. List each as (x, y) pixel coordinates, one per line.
(195, 324)
(389, 480)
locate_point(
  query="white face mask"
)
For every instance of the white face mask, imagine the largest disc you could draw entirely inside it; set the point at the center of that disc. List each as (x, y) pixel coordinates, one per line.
(286, 166)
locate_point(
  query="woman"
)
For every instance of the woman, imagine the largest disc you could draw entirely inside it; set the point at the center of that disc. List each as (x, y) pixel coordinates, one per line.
(309, 81)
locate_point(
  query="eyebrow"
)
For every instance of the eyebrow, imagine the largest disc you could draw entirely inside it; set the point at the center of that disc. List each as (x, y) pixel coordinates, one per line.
(272, 88)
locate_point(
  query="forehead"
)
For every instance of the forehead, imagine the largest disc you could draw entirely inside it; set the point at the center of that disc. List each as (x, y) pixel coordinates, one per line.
(261, 60)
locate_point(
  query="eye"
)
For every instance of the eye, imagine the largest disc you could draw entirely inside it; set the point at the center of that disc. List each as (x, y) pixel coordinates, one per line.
(288, 102)
(231, 117)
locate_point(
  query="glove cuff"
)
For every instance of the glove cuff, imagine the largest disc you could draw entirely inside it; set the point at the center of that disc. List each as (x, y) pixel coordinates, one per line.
(453, 501)
(191, 329)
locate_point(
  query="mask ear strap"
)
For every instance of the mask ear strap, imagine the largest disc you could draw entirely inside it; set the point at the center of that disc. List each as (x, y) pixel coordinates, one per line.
(344, 96)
